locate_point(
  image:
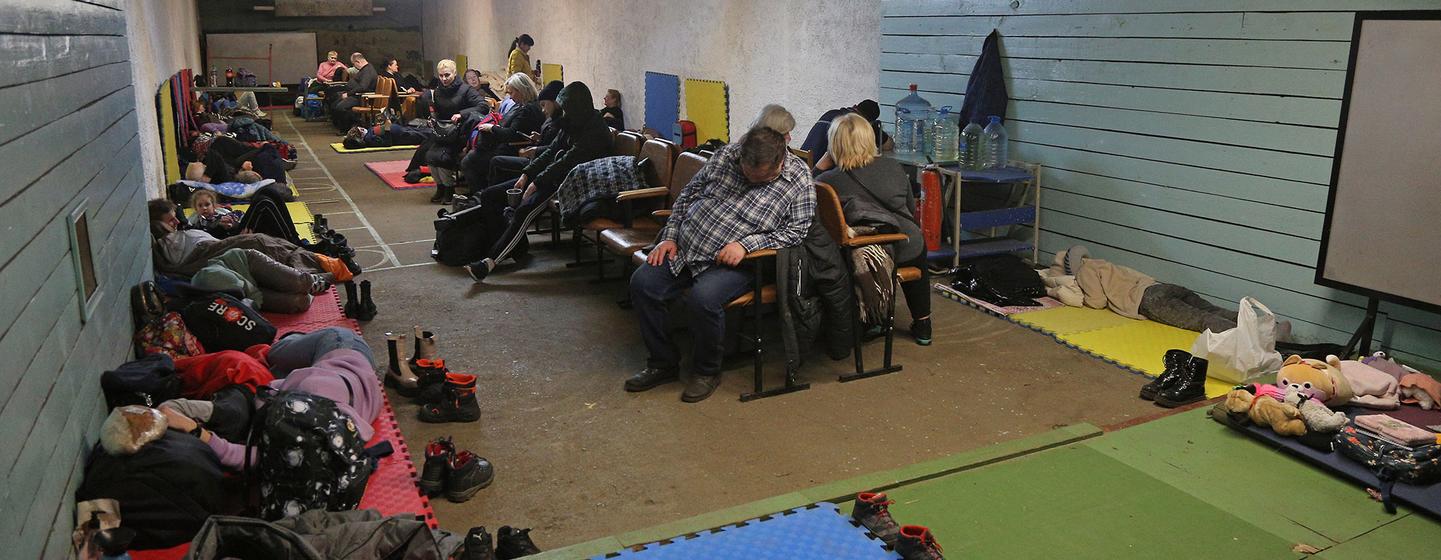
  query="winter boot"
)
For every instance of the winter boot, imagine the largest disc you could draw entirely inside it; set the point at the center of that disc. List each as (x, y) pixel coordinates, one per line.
(872, 511)
(457, 401)
(916, 543)
(478, 546)
(438, 454)
(352, 304)
(1191, 387)
(1176, 361)
(367, 305)
(432, 378)
(397, 373)
(513, 543)
(468, 474)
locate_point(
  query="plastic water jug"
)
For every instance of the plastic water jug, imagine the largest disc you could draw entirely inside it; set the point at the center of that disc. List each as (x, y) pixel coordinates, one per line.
(993, 145)
(945, 135)
(913, 115)
(970, 149)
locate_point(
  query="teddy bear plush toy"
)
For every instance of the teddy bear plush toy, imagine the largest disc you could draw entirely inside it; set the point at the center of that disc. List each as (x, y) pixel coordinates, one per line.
(1262, 405)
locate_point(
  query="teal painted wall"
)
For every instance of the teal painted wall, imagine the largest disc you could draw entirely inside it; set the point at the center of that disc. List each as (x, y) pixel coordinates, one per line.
(1190, 140)
(68, 133)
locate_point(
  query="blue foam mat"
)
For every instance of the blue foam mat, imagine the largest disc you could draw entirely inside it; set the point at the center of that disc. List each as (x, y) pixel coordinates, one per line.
(662, 102)
(817, 531)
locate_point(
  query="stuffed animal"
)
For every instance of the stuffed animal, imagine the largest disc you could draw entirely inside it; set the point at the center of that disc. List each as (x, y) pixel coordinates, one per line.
(1264, 408)
(1313, 378)
(1421, 389)
(1317, 417)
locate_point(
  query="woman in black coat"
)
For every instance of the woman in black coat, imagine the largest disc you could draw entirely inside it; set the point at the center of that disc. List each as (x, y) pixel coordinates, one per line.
(515, 129)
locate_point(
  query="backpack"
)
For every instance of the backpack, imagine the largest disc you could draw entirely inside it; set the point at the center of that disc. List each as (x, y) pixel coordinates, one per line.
(685, 132)
(166, 490)
(460, 237)
(148, 381)
(222, 322)
(1391, 463)
(308, 456)
(168, 335)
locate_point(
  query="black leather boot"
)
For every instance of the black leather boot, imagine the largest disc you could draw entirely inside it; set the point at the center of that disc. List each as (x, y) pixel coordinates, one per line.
(1191, 388)
(352, 305)
(1175, 368)
(367, 305)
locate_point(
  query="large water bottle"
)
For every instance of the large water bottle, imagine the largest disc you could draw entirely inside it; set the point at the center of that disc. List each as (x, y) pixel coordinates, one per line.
(970, 149)
(993, 145)
(945, 135)
(913, 116)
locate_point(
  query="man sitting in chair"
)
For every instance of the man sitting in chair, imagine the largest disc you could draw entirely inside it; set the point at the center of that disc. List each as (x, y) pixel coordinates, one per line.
(752, 195)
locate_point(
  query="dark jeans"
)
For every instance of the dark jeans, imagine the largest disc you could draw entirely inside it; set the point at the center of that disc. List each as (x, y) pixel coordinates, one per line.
(653, 287)
(509, 233)
(302, 350)
(1180, 307)
(341, 115)
(504, 168)
(476, 165)
(918, 293)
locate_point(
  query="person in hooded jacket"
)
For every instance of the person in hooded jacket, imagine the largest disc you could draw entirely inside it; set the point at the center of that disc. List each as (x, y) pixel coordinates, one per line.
(583, 137)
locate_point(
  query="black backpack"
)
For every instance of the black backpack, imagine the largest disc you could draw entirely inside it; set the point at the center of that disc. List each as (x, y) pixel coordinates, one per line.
(460, 237)
(309, 456)
(165, 490)
(222, 322)
(148, 381)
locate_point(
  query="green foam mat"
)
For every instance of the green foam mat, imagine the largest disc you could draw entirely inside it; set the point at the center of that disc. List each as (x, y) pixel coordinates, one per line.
(1408, 538)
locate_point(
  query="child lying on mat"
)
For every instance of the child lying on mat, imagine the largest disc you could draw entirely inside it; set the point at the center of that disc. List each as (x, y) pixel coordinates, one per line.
(209, 215)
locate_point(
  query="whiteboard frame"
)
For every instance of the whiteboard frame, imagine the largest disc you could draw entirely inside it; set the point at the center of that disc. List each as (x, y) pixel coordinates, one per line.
(1321, 279)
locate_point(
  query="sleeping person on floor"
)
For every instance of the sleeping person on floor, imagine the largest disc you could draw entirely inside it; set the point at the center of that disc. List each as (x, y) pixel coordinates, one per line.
(1078, 280)
(185, 252)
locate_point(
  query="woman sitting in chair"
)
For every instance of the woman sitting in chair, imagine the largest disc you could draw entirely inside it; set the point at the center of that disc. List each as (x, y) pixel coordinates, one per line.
(518, 127)
(877, 190)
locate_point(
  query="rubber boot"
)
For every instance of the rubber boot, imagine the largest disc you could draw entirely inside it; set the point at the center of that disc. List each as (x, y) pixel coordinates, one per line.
(367, 305)
(917, 543)
(397, 373)
(872, 511)
(352, 304)
(1191, 388)
(437, 460)
(457, 402)
(1175, 369)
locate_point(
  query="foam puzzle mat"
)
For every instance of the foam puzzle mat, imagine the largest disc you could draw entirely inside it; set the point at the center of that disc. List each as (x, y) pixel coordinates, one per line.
(707, 104)
(662, 103)
(817, 531)
(340, 147)
(392, 173)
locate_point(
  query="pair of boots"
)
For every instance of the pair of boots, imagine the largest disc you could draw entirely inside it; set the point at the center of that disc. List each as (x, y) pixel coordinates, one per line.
(445, 396)
(458, 474)
(509, 543)
(913, 542)
(362, 309)
(1183, 382)
(331, 244)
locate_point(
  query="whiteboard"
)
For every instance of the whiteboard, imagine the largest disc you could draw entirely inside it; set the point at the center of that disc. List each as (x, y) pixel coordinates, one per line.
(283, 57)
(1381, 237)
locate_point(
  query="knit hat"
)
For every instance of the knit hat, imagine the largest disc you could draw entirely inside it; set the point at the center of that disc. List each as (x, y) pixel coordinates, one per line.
(869, 109)
(1074, 256)
(550, 90)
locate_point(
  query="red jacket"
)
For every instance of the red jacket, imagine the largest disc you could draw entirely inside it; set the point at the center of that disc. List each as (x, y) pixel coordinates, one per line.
(205, 374)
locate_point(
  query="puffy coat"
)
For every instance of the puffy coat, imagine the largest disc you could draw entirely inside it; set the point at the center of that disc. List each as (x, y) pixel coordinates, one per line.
(817, 297)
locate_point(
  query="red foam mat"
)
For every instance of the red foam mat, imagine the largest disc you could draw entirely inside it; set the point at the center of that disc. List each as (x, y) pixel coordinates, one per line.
(393, 174)
(392, 489)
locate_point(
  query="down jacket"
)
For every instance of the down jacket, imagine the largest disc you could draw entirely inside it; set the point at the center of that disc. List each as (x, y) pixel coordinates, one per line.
(816, 297)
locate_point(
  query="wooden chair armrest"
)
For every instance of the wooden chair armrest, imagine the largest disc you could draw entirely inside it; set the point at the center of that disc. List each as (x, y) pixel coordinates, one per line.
(638, 194)
(884, 238)
(760, 254)
(664, 213)
(374, 96)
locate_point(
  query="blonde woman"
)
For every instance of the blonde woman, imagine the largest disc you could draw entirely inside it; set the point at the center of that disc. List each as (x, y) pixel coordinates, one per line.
(877, 191)
(505, 139)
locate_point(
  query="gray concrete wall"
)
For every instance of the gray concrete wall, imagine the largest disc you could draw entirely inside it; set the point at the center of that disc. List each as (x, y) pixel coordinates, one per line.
(68, 135)
(809, 56)
(164, 38)
(394, 32)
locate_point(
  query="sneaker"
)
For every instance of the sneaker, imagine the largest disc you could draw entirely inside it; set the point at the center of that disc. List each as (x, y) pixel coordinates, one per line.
(319, 283)
(700, 388)
(480, 269)
(921, 331)
(438, 454)
(477, 546)
(457, 402)
(513, 543)
(917, 543)
(872, 511)
(468, 474)
(650, 378)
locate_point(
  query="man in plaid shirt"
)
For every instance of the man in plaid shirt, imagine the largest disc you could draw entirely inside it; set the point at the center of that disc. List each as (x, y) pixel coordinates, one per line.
(752, 195)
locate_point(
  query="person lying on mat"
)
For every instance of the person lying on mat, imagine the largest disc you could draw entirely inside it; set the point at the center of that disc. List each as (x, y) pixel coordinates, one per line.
(217, 158)
(877, 191)
(185, 251)
(515, 129)
(273, 286)
(331, 363)
(583, 137)
(754, 194)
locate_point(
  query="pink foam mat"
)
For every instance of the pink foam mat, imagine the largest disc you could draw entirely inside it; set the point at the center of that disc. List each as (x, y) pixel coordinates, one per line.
(392, 488)
(393, 174)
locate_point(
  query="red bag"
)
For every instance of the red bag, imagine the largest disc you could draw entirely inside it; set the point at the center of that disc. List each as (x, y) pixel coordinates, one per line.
(168, 336)
(687, 134)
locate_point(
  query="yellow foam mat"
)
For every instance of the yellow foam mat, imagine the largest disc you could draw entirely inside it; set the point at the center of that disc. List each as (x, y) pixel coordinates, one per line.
(707, 104)
(1136, 345)
(340, 147)
(169, 147)
(550, 72)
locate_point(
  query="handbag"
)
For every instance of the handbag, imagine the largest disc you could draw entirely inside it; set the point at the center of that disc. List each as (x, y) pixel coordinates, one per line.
(1245, 352)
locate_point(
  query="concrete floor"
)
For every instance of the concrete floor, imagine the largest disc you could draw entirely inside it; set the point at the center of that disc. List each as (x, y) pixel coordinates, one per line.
(578, 458)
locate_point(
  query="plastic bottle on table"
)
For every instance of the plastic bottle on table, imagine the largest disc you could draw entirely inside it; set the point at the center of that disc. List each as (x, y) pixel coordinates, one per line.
(945, 136)
(214, 77)
(913, 115)
(970, 149)
(994, 145)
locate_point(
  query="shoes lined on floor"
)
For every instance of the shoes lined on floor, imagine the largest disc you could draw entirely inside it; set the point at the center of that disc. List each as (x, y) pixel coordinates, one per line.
(455, 473)
(1182, 382)
(913, 542)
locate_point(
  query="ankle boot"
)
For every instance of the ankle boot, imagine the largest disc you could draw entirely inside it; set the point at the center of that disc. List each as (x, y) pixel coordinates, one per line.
(398, 374)
(457, 402)
(352, 304)
(1175, 369)
(513, 543)
(467, 474)
(367, 305)
(432, 379)
(917, 543)
(437, 459)
(444, 194)
(1191, 388)
(424, 345)
(872, 511)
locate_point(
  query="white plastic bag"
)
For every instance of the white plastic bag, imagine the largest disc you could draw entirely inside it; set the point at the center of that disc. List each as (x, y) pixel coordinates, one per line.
(1245, 352)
